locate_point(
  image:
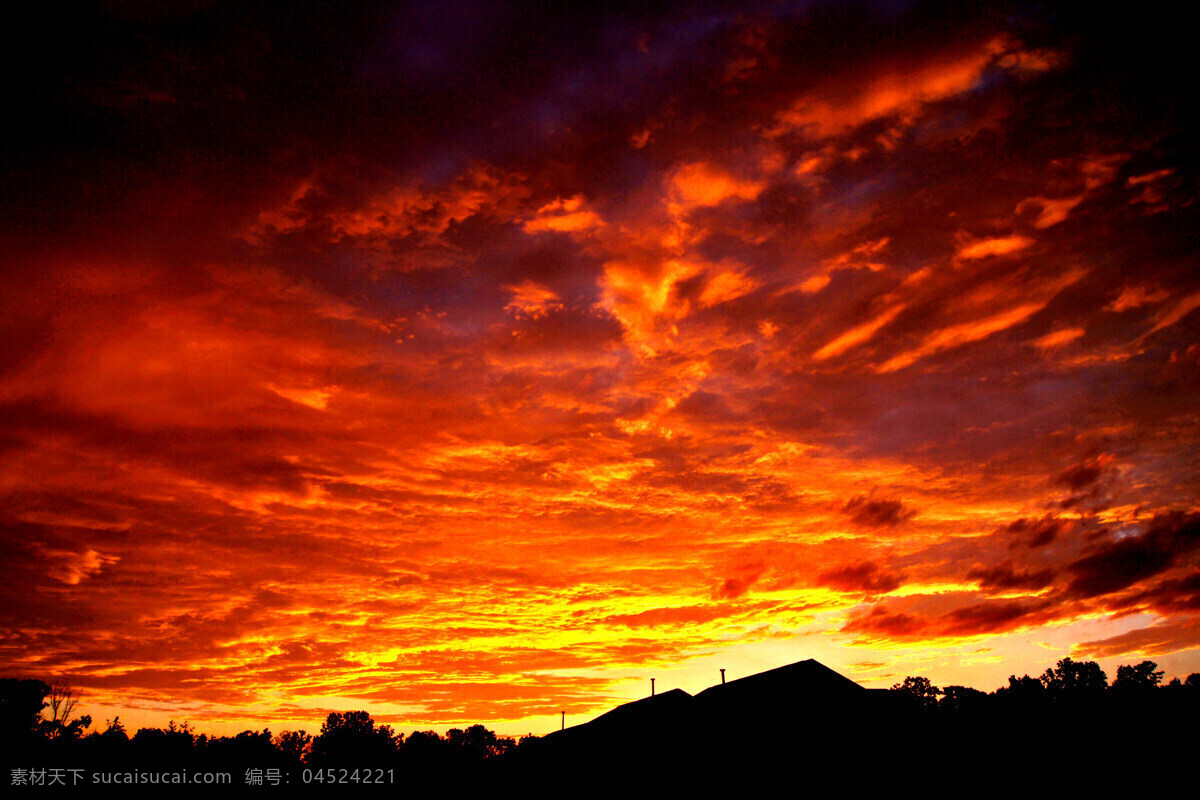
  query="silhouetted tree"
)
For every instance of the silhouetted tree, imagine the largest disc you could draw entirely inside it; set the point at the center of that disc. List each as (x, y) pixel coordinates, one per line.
(109, 744)
(1193, 681)
(962, 698)
(424, 747)
(351, 723)
(171, 743)
(1075, 675)
(353, 735)
(113, 729)
(476, 743)
(921, 688)
(1145, 675)
(296, 745)
(1024, 695)
(21, 704)
(62, 703)
(1025, 688)
(244, 750)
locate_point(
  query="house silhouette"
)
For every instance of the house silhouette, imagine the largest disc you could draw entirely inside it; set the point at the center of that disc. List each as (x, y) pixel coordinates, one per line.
(805, 727)
(804, 686)
(805, 696)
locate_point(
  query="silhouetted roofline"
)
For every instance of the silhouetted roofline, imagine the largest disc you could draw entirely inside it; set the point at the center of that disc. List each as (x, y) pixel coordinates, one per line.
(807, 679)
(647, 708)
(672, 697)
(809, 674)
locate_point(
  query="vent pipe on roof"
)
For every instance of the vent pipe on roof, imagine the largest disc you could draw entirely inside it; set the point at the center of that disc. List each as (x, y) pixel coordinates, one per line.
(722, 676)
(652, 687)
(564, 722)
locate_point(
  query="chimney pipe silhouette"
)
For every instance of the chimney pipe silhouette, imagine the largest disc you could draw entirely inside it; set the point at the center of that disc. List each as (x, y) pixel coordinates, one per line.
(564, 721)
(722, 675)
(652, 687)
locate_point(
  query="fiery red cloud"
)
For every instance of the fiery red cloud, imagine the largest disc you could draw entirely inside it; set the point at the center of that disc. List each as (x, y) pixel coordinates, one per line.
(472, 364)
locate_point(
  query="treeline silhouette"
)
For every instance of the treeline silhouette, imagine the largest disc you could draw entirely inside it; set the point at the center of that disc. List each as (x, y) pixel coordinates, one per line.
(34, 735)
(1069, 721)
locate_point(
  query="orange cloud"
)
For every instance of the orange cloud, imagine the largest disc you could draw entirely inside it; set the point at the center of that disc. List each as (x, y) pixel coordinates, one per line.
(958, 335)
(699, 184)
(901, 91)
(858, 335)
(1135, 296)
(1161, 639)
(1051, 211)
(1058, 338)
(1174, 314)
(564, 216)
(72, 568)
(530, 299)
(725, 286)
(416, 210)
(971, 249)
(472, 397)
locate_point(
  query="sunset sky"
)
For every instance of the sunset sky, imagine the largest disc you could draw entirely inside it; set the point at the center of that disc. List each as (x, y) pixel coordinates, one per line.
(473, 362)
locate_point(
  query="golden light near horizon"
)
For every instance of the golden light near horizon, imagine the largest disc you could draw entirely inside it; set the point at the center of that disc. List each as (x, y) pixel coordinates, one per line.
(478, 367)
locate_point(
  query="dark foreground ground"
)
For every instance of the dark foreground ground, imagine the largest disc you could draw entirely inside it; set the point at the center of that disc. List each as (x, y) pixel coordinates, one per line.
(1099, 745)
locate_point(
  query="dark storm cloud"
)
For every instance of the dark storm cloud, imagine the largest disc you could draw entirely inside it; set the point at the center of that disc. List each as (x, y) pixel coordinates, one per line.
(1036, 533)
(1005, 577)
(1168, 596)
(866, 576)
(992, 615)
(1084, 474)
(877, 512)
(880, 621)
(1116, 565)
